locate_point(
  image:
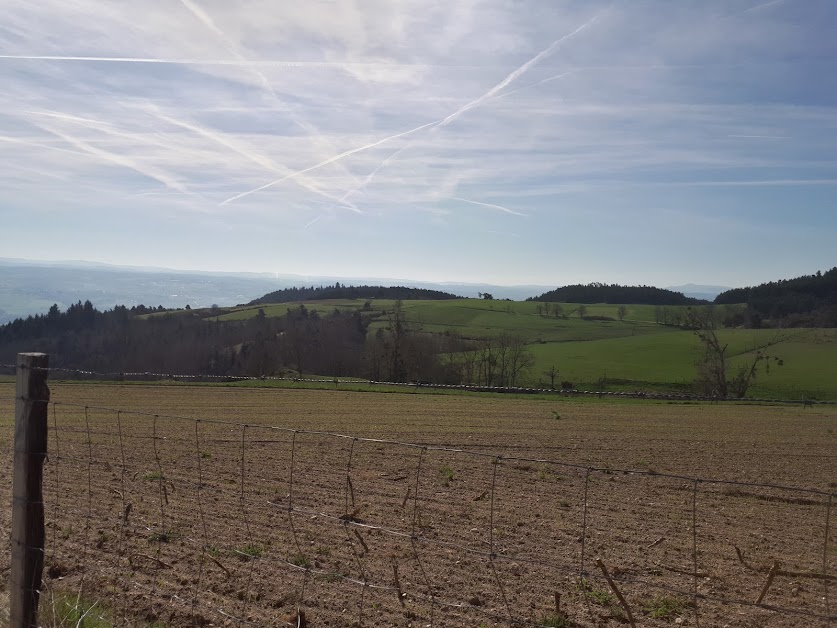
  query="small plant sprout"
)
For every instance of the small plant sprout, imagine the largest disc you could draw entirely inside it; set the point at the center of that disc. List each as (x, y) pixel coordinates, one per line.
(447, 475)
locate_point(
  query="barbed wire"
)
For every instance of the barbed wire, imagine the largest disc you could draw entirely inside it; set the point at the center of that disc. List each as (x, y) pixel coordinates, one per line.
(335, 381)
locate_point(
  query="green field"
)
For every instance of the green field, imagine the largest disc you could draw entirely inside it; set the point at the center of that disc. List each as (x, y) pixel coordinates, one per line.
(635, 353)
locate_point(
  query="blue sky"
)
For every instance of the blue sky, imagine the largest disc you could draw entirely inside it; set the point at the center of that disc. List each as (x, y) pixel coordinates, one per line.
(497, 141)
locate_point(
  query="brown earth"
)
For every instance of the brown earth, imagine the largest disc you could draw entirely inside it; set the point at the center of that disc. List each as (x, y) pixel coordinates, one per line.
(184, 522)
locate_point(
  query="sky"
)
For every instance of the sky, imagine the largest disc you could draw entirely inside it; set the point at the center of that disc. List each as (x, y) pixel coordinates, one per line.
(497, 141)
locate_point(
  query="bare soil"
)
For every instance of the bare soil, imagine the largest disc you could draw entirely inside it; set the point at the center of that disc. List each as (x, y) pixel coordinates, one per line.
(178, 522)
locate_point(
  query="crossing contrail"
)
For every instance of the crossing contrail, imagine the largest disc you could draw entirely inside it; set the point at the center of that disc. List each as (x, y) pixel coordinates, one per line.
(443, 122)
(489, 95)
(328, 161)
(247, 153)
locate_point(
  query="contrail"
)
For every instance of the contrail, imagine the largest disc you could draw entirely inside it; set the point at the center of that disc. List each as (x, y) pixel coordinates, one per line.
(261, 160)
(64, 116)
(313, 221)
(150, 172)
(447, 120)
(518, 72)
(339, 203)
(25, 142)
(264, 63)
(761, 182)
(500, 207)
(490, 95)
(759, 6)
(765, 137)
(372, 174)
(205, 19)
(183, 61)
(541, 82)
(328, 161)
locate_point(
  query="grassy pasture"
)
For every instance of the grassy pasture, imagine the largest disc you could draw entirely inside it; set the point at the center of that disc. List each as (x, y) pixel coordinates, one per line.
(223, 489)
(636, 351)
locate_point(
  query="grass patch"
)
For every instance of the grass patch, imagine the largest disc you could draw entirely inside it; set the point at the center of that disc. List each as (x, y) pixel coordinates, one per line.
(599, 596)
(665, 607)
(447, 475)
(153, 476)
(70, 611)
(250, 551)
(301, 560)
(556, 620)
(164, 536)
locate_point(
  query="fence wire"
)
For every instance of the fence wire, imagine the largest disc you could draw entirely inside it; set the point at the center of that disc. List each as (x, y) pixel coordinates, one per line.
(189, 521)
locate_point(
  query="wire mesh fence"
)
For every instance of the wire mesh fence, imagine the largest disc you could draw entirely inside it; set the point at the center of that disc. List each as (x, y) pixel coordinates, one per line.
(163, 520)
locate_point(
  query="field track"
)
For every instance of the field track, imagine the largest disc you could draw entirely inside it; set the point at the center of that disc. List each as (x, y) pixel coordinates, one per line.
(275, 541)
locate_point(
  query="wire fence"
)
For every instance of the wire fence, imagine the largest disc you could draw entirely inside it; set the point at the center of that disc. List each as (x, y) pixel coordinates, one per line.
(83, 374)
(165, 520)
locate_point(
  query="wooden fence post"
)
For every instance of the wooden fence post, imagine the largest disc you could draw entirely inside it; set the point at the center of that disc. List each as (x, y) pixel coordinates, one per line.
(31, 397)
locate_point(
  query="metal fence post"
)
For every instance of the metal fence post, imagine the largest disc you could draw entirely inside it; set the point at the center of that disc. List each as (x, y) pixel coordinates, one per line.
(31, 397)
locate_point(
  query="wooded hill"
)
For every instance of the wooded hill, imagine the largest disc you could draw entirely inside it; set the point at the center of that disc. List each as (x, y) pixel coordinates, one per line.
(614, 293)
(809, 301)
(338, 291)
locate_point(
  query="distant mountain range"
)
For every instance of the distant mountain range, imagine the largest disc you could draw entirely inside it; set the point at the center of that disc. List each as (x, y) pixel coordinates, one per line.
(697, 291)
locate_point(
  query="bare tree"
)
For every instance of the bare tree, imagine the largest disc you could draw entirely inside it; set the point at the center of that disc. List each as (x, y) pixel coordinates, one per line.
(398, 328)
(518, 359)
(621, 311)
(582, 311)
(716, 376)
(551, 373)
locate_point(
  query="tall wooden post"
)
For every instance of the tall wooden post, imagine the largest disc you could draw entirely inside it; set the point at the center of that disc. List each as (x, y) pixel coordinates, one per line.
(31, 397)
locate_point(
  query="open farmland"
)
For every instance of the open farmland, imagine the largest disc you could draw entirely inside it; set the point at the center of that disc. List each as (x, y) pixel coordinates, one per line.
(188, 522)
(635, 353)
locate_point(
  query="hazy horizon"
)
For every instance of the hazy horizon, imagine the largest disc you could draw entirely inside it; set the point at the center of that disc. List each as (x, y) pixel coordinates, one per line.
(331, 275)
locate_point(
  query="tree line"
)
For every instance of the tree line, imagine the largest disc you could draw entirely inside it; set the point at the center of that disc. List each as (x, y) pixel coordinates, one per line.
(360, 343)
(614, 293)
(338, 291)
(806, 301)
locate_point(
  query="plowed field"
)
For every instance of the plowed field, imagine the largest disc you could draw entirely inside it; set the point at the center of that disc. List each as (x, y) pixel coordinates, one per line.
(228, 514)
